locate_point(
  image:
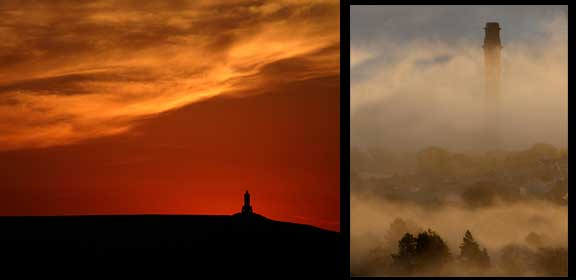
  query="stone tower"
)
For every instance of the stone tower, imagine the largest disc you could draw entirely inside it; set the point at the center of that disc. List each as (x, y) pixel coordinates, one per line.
(492, 48)
(246, 209)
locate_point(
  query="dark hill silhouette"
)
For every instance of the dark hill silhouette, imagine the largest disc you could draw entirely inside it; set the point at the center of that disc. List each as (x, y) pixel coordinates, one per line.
(127, 229)
(205, 243)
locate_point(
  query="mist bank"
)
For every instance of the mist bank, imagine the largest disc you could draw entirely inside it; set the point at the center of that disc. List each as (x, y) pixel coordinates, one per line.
(425, 91)
(519, 237)
(514, 203)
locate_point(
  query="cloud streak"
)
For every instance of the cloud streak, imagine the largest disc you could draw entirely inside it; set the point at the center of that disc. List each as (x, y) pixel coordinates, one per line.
(70, 72)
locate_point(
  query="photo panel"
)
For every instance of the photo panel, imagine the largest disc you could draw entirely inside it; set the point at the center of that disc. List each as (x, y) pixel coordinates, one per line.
(458, 140)
(209, 126)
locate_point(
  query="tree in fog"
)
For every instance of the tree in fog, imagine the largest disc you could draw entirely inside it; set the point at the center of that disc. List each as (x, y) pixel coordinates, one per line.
(431, 249)
(470, 253)
(552, 261)
(534, 240)
(427, 253)
(517, 260)
(405, 259)
(399, 227)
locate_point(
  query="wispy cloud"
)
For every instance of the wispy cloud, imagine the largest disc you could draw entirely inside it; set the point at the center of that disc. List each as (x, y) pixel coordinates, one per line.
(70, 71)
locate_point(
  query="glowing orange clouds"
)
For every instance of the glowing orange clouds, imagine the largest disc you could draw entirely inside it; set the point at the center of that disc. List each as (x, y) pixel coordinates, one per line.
(70, 71)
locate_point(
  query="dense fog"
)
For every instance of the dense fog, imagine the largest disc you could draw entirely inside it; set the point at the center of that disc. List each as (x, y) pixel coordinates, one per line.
(419, 160)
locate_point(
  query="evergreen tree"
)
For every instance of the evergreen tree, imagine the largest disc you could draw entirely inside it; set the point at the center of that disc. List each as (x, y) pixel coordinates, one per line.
(470, 252)
(431, 249)
(425, 253)
(404, 260)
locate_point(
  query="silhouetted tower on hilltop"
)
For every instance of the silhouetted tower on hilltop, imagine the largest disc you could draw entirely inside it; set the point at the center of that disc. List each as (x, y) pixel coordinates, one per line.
(246, 209)
(492, 48)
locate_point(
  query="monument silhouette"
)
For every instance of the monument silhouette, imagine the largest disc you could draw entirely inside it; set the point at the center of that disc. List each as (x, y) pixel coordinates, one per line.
(247, 209)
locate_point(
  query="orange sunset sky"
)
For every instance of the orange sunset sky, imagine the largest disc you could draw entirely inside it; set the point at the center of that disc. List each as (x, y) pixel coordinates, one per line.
(171, 107)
